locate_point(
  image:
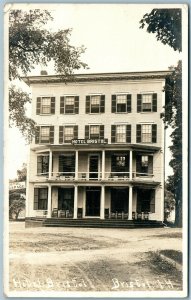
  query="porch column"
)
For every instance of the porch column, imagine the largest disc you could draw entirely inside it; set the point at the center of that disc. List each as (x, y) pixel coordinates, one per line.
(50, 164)
(49, 201)
(75, 202)
(130, 202)
(130, 164)
(103, 164)
(102, 206)
(76, 166)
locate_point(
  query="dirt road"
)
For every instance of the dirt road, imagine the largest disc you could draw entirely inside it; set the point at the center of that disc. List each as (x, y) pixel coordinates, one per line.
(87, 259)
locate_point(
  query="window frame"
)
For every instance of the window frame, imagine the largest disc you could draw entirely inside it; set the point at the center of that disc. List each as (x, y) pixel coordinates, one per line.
(146, 134)
(117, 133)
(41, 141)
(41, 163)
(99, 105)
(72, 111)
(64, 134)
(125, 104)
(90, 134)
(42, 202)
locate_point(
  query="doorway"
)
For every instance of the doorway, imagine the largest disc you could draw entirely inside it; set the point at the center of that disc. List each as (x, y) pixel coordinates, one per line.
(93, 167)
(120, 200)
(93, 202)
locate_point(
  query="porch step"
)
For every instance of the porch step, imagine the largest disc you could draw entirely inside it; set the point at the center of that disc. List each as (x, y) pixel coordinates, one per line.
(97, 223)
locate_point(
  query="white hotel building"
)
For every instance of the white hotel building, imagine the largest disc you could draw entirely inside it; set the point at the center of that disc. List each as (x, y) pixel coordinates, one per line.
(99, 148)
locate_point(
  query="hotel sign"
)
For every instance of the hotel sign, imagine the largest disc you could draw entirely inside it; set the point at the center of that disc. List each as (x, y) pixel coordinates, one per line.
(17, 185)
(89, 141)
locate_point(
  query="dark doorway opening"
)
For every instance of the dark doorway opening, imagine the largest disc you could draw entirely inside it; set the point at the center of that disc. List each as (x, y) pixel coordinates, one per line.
(93, 166)
(93, 202)
(66, 199)
(120, 200)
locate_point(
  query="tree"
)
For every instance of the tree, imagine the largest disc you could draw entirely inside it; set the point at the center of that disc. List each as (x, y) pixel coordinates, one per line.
(31, 44)
(169, 201)
(167, 24)
(16, 204)
(22, 174)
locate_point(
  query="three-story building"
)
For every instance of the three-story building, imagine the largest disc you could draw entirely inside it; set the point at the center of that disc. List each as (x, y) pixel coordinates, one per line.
(99, 147)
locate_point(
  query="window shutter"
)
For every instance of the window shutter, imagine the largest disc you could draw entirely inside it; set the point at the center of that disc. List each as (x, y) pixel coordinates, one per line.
(101, 131)
(62, 105)
(139, 102)
(51, 139)
(154, 102)
(35, 198)
(128, 133)
(37, 135)
(152, 202)
(86, 131)
(76, 102)
(87, 104)
(128, 103)
(39, 164)
(150, 166)
(113, 132)
(154, 133)
(113, 103)
(61, 134)
(102, 104)
(38, 103)
(52, 109)
(138, 164)
(75, 131)
(138, 133)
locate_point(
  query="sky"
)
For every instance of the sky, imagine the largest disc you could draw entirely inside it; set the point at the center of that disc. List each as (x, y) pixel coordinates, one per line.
(114, 43)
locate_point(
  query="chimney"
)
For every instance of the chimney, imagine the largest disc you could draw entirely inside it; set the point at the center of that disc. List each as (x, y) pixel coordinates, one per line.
(43, 72)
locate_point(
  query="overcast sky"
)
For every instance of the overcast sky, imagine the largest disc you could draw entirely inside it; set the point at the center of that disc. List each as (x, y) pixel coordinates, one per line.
(113, 42)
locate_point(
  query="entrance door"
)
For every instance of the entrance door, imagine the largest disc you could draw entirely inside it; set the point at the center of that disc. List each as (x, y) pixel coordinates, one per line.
(93, 166)
(93, 202)
(120, 200)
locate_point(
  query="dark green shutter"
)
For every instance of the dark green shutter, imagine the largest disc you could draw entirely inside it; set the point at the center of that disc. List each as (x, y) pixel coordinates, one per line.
(101, 131)
(154, 133)
(138, 164)
(61, 134)
(113, 103)
(62, 105)
(87, 104)
(38, 103)
(128, 133)
(36, 198)
(138, 133)
(37, 135)
(152, 202)
(76, 132)
(76, 103)
(51, 139)
(128, 103)
(154, 102)
(86, 131)
(52, 110)
(150, 166)
(113, 133)
(102, 104)
(139, 102)
(39, 164)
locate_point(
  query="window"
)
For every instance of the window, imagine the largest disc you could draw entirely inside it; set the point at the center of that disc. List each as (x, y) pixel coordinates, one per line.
(40, 198)
(94, 132)
(95, 104)
(42, 164)
(146, 133)
(66, 199)
(68, 133)
(44, 134)
(145, 200)
(69, 104)
(144, 165)
(121, 103)
(120, 133)
(67, 165)
(119, 163)
(45, 105)
(147, 102)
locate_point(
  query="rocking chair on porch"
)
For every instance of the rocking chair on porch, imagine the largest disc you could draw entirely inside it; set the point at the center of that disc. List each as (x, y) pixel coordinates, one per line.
(55, 213)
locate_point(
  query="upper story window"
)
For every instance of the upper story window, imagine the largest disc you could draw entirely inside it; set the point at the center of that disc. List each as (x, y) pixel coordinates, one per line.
(146, 133)
(121, 103)
(144, 165)
(42, 164)
(44, 135)
(121, 133)
(95, 104)
(147, 102)
(94, 132)
(119, 163)
(67, 133)
(69, 105)
(45, 105)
